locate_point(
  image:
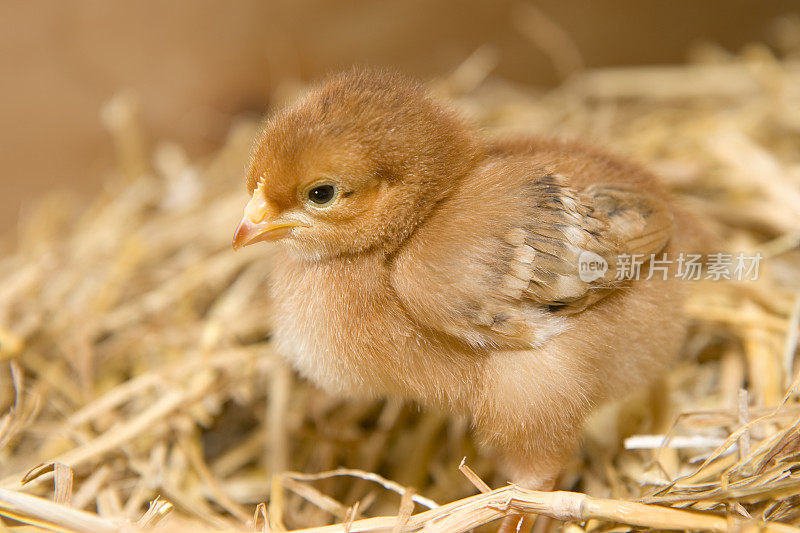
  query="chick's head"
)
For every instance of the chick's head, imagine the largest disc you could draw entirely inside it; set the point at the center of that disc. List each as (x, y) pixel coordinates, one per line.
(356, 164)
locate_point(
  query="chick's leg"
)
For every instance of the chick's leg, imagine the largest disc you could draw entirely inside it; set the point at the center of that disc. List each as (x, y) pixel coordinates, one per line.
(535, 462)
(517, 523)
(533, 467)
(533, 419)
(534, 423)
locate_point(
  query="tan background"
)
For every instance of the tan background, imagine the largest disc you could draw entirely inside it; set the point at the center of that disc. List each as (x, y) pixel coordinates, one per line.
(196, 63)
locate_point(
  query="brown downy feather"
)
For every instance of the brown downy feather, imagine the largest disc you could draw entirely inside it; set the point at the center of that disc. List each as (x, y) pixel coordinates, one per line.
(445, 268)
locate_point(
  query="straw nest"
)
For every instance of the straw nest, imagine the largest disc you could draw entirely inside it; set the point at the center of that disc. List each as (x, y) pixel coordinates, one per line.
(139, 388)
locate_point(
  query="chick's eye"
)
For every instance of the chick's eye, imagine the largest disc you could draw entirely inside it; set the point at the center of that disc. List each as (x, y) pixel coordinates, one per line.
(322, 194)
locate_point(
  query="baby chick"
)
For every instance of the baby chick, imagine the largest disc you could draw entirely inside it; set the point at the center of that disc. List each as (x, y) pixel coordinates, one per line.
(418, 259)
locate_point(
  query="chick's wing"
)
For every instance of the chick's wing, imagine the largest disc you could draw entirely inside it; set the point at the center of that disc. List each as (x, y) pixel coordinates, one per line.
(499, 264)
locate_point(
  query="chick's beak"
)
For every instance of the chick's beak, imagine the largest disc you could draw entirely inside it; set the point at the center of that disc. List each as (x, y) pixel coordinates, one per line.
(260, 222)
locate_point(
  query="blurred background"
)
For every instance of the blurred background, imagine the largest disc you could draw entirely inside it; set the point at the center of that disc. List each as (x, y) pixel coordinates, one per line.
(193, 65)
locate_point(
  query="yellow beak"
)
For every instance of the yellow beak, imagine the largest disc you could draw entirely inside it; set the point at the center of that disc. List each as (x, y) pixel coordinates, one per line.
(260, 222)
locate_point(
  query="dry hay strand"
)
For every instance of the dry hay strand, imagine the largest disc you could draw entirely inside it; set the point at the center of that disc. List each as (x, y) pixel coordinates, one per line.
(140, 389)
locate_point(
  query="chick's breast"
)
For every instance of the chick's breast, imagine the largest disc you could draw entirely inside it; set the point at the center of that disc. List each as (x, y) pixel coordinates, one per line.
(342, 326)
